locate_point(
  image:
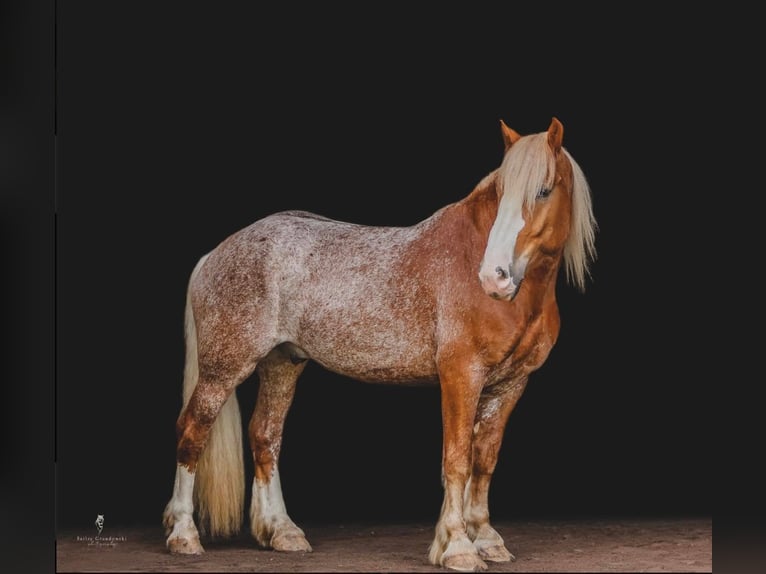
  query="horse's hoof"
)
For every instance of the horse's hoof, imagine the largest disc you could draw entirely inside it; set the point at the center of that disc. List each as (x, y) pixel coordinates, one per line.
(290, 541)
(464, 563)
(495, 553)
(180, 545)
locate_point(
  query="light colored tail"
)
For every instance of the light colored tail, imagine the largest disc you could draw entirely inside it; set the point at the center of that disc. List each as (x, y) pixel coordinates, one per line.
(219, 485)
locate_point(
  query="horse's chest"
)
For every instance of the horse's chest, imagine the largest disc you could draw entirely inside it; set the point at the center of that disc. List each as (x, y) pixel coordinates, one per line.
(524, 360)
(522, 351)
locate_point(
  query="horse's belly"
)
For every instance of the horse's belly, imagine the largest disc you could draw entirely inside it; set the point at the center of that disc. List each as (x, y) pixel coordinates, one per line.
(383, 374)
(364, 326)
(377, 358)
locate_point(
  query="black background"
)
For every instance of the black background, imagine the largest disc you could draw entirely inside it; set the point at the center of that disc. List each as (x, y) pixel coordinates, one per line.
(176, 126)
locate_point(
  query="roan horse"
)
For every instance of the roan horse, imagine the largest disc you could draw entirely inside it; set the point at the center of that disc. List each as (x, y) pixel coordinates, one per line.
(465, 299)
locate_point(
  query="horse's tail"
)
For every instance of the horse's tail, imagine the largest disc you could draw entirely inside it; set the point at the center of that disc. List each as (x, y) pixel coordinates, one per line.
(219, 484)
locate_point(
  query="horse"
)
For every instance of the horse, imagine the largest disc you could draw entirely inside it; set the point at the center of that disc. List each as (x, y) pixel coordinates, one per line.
(465, 299)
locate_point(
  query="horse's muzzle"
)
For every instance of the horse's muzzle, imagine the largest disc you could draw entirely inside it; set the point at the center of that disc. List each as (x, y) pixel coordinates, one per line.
(503, 283)
(501, 286)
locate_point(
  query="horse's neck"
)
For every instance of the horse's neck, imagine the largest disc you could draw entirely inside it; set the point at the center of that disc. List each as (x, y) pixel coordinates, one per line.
(472, 218)
(480, 207)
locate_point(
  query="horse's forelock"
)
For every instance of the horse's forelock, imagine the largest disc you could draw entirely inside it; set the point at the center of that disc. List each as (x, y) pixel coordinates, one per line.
(528, 166)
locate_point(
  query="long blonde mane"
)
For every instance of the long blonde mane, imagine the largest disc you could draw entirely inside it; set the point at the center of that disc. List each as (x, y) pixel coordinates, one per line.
(529, 166)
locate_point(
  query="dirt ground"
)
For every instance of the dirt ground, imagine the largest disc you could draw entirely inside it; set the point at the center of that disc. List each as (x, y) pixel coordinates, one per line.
(593, 545)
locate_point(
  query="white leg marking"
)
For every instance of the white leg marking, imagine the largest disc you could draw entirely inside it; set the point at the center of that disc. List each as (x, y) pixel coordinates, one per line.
(183, 537)
(451, 547)
(271, 526)
(488, 543)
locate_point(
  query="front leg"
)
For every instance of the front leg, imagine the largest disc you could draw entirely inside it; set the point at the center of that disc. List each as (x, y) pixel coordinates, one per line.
(495, 406)
(452, 548)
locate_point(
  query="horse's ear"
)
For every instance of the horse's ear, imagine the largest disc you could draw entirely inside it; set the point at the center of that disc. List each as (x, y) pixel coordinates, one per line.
(555, 135)
(510, 137)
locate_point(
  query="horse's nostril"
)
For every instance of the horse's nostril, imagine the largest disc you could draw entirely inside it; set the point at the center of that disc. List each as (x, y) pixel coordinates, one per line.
(502, 273)
(495, 295)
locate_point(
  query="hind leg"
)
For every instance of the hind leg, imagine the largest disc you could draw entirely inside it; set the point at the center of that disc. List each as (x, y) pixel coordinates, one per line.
(229, 327)
(491, 418)
(269, 522)
(192, 428)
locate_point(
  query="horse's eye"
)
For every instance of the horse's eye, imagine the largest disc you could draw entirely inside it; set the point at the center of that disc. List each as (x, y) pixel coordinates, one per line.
(544, 192)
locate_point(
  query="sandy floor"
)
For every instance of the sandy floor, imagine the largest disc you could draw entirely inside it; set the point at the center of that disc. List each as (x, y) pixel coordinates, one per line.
(593, 545)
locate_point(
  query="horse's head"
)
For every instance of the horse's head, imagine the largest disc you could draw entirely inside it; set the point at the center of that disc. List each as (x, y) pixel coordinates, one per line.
(544, 212)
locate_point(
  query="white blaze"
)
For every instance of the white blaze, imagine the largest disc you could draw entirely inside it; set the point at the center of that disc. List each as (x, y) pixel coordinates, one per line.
(500, 248)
